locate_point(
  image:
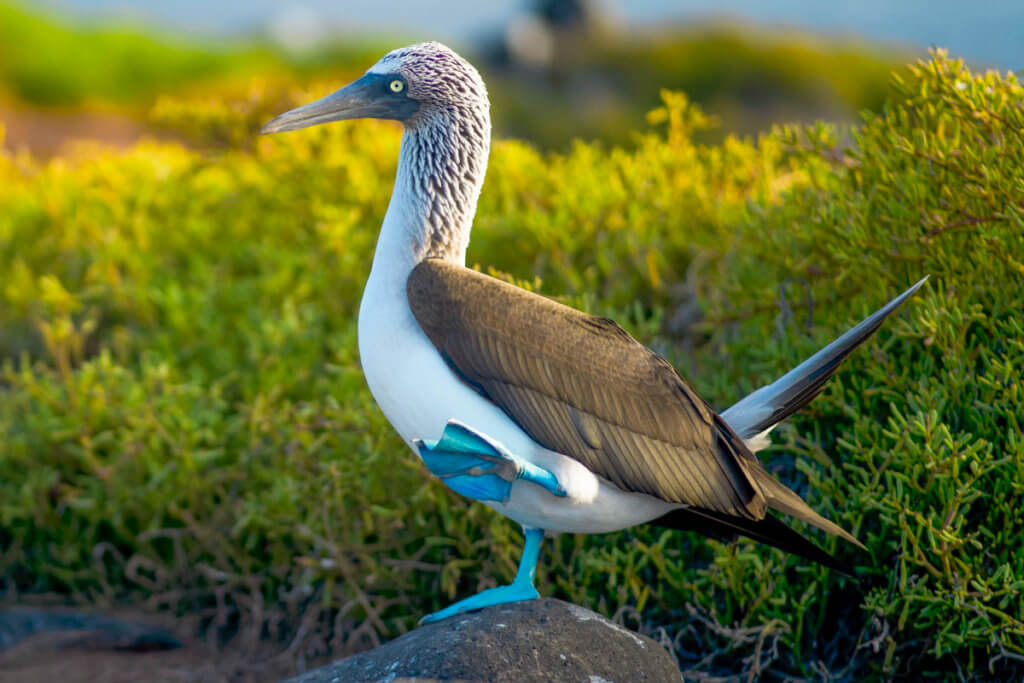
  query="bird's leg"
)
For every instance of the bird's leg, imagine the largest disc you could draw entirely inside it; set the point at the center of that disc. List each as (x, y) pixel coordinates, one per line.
(520, 589)
(479, 467)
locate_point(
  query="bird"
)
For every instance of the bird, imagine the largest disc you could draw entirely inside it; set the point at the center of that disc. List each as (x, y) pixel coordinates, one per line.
(555, 418)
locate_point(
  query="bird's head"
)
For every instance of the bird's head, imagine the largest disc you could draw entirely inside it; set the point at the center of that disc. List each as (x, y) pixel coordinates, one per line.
(415, 85)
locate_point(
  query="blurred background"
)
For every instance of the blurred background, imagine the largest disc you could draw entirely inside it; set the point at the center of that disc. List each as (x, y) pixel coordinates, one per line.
(558, 69)
(184, 425)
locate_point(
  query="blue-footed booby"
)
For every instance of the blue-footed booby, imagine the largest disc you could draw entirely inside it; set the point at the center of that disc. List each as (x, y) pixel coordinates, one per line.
(557, 419)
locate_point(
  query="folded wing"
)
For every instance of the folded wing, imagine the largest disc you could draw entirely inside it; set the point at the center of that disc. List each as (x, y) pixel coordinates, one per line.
(581, 386)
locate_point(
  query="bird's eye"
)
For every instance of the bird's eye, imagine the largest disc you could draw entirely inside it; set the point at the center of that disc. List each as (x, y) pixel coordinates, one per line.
(396, 86)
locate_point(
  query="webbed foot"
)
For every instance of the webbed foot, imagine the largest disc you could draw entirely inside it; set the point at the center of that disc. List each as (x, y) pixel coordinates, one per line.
(478, 467)
(520, 589)
(492, 596)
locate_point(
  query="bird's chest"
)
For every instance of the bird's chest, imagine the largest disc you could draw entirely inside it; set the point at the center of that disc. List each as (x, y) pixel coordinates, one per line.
(414, 387)
(397, 361)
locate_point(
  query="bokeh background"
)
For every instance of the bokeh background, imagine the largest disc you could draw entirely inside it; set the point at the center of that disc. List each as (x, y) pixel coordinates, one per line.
(558, 69)
(185, 433)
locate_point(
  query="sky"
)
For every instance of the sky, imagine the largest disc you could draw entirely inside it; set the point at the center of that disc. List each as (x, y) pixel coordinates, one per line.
(985, 32)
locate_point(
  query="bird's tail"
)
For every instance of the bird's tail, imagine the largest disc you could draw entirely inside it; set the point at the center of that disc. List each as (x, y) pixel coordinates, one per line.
(753, 416)
(751, 419)
(769, 530)
(779, 497)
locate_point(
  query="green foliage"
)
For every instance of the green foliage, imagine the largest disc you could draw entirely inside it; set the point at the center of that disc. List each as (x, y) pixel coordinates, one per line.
(48, 63)
(748, 78)
(929, 430)
(184, 421)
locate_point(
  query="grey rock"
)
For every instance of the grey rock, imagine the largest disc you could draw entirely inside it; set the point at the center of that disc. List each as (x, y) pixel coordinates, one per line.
(536, 641)
(100, 632)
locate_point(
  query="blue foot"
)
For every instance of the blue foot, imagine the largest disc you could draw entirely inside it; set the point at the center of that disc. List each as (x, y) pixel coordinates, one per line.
(492, 596)
(520, 589)
(479, 468)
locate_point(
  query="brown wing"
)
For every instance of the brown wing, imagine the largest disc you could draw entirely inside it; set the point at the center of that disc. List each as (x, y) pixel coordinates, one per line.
(581, 386)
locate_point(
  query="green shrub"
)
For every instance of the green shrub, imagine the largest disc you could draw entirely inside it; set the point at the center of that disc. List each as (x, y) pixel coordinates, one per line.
(185, 425)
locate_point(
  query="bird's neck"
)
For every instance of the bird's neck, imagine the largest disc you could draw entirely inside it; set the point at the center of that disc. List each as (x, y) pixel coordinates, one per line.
(441, 169)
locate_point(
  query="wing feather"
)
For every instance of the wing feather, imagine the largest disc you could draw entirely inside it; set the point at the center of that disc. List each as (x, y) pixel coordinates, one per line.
(581, 386)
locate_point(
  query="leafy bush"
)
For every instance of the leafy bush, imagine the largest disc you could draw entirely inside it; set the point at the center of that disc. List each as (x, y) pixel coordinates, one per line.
(185, 425)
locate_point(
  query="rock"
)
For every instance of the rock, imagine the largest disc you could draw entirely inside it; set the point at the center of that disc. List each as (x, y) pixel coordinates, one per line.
(536, 641)
(82, 630)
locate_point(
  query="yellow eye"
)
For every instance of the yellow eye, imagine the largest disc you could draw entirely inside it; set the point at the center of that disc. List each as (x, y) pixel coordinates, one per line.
(396, 85)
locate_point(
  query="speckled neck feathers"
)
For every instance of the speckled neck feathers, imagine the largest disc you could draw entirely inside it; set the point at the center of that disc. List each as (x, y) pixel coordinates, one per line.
(444, 152)
(440, 172)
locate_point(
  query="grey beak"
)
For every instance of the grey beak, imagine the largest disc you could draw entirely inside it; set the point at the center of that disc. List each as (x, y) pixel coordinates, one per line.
(367, 97)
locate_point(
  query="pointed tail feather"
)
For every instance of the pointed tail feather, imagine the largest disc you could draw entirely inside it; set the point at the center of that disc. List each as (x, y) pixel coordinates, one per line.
(758, 412)
(769, 530)
(781, 498)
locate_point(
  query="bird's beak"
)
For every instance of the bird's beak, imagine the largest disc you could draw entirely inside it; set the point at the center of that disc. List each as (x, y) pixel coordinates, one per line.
(366, 98)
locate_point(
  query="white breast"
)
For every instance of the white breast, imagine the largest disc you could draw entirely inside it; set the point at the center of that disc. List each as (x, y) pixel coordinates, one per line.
(418, 394)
